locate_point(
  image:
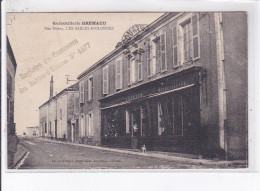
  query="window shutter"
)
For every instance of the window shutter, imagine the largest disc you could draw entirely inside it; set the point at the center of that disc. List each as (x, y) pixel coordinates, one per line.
(118, 74)
(195, 38)
(92, 87)
(140, 67)
(136, 69)
(105, 80)
(163, 52)
(148, 59)
(128, 70)
(180, 51)
(86, 125)
(87, 96)
(82, 93)
(175, 49)
(158, 55)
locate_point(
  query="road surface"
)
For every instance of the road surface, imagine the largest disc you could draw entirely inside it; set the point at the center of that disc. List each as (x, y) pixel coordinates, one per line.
(52, 155)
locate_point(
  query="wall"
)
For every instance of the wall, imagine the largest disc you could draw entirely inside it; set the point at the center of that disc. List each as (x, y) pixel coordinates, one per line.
(31, 131)
(236, 64)
(52, 117)
(62, 116)
(73, 100)
(43, 112)
(209, 86)
(92, 106)
(11, 69)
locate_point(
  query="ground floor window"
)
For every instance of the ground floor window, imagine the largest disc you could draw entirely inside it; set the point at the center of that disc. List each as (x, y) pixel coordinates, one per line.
(45, 127)
(89, 122)
(114, 122)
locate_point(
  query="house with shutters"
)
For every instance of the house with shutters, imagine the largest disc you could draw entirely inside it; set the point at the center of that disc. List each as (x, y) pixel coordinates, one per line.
(59, 116)
(178, 84)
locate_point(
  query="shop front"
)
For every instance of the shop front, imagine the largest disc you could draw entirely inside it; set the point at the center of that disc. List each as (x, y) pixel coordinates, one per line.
(162, 115)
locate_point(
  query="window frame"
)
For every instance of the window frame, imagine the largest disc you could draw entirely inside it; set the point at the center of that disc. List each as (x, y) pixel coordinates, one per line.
(165, 51)
(90, 88)
(180, 42)
(90, 130)
(153, 58)
(194, 36)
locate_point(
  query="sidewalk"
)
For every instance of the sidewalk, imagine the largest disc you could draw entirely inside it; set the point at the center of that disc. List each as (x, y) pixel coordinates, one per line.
(176, 157)
(20, 153)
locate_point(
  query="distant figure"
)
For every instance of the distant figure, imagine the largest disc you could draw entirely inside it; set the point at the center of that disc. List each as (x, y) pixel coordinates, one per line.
(143, 148)
(12, 142)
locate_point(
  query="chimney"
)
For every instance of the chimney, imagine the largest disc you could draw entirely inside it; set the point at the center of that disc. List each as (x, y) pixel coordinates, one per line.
(51, 87)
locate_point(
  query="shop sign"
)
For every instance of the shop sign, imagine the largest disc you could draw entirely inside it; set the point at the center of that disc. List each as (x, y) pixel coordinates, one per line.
(175, 84)
(131, 32)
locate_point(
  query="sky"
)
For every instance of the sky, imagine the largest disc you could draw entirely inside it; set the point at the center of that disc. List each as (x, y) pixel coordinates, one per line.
(36, 44)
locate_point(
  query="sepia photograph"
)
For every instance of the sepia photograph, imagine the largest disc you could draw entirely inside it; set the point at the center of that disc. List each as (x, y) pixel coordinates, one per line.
(127, 90)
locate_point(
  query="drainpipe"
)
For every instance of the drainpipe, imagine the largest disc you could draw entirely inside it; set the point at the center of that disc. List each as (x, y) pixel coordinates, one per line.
(221, 82)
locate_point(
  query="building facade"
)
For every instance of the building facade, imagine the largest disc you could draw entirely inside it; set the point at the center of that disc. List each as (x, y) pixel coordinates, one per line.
(32, 131)
(90, 113)
(12, 140)
(11, 70)
(172, 86)
(58, 116)
(178, 84)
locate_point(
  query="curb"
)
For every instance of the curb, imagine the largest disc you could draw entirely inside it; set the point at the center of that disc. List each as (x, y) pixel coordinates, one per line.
(21, 158)
(205, 162)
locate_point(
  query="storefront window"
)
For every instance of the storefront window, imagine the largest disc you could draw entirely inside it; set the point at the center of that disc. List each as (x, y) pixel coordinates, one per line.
(165, 117)
(114, 124)
(178, 115)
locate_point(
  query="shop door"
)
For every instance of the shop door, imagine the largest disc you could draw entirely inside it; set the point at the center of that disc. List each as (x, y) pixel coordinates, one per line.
(191, 113)
(135, 123)
(135, 127)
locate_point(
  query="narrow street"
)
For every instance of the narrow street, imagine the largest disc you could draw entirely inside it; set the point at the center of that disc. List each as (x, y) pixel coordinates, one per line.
(51, 155)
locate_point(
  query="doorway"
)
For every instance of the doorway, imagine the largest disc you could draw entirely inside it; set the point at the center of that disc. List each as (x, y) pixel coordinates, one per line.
(56, 133)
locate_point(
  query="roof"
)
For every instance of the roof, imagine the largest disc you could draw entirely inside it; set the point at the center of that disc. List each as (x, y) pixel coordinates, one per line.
(148, 28)
(74, 87)
(10, 53)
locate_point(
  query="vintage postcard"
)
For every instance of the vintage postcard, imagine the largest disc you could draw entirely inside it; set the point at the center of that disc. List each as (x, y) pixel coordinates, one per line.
(127, 90)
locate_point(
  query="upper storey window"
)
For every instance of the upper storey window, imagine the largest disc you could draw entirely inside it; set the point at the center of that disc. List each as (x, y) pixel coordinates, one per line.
(81, 95)
(90, 88)
(118, 73)
(156, 54)
(134, 67)
(186, 40)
